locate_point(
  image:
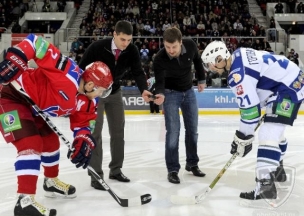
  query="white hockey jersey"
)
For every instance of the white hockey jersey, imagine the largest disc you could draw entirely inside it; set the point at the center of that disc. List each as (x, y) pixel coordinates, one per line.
(256, 75)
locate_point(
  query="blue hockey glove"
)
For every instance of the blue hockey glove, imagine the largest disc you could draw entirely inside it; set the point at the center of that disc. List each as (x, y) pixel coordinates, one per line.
(83, 146)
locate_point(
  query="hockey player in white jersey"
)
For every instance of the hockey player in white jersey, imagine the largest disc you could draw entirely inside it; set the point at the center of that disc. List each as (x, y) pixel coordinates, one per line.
(259, 79)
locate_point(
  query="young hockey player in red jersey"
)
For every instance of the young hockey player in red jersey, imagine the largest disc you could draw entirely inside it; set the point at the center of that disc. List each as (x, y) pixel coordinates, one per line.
(60, 88)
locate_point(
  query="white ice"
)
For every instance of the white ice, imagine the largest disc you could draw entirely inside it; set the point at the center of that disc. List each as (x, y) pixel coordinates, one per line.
(144, 164)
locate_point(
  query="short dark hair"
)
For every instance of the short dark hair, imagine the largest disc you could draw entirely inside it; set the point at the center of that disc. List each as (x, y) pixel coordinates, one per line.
(172, 34)
(124, 27)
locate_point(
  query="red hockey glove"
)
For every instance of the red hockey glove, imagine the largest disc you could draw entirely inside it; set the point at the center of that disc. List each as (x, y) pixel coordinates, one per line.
(83, 145)
(13, 65)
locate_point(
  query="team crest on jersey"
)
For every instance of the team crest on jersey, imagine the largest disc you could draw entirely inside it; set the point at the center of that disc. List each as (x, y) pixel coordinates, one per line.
(237, 72)
(239, 90)
(75, 71)
(236, 78)
(55, 111)
(301, 77)
(296, 85)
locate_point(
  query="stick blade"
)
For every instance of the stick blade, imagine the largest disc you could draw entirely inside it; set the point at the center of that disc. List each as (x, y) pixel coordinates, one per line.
(183, 200)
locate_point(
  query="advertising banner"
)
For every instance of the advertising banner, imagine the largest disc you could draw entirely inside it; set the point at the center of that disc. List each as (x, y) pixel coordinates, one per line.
(216, 98)
(132, 99)
(211, 101)
(210, 98)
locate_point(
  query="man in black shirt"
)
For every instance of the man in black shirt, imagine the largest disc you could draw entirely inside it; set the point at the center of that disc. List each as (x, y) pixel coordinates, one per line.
(173, 87)
(120, 55)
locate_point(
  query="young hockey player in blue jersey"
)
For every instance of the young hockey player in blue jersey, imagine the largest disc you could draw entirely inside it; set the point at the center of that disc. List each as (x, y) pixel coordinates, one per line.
(260, 79)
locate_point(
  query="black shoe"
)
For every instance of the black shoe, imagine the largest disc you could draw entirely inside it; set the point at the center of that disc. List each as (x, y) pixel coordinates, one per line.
(95, 184)
(265, 189)
(173, 177)
(119, 177)
(195, 170)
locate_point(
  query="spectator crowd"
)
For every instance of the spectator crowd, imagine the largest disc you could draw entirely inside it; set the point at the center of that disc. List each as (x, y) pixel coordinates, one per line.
(12, 10)
(202, 20)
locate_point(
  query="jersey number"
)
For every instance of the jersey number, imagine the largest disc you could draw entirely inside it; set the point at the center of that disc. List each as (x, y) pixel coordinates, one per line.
(243, 100)
(282, 62)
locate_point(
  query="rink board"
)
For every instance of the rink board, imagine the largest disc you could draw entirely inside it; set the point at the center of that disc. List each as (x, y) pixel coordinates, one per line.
(211, 102)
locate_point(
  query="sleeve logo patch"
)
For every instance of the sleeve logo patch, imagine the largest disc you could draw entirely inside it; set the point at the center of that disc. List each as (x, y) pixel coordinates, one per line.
(239, 90)
(296, 85)
(251, 113)
(236, 78)
(41, 47)
(285, 108)
(10, 121)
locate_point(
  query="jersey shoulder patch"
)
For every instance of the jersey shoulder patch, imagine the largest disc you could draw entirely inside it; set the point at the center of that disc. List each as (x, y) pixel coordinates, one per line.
(237, 72)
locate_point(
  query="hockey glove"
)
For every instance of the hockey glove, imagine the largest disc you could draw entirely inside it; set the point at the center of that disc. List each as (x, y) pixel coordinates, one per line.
(83, 146)
(13, 65)
(241, 144)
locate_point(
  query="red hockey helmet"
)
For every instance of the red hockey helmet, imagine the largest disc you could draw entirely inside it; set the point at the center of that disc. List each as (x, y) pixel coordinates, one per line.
(99, 73)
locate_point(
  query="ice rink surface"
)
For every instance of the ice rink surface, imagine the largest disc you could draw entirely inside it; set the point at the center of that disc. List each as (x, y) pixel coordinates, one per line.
(144, 164)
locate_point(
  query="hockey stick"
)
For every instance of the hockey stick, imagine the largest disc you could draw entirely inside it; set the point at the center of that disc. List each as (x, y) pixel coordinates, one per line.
(136, 201)
(184, 200)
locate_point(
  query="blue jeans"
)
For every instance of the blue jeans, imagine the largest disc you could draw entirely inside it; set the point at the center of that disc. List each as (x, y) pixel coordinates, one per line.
(187, 102)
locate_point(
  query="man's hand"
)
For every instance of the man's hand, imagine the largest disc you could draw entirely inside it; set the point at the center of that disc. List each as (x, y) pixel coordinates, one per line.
(201, 87)
(241, 144)
(160, 98)
(13, 65)
(83, 146)
(145, 95)
(148, 96)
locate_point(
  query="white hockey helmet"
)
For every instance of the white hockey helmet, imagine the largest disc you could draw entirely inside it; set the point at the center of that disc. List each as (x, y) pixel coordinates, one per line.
(212, 51)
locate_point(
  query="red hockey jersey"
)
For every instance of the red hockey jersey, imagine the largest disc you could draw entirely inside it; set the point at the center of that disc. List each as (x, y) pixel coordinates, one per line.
(53, 86)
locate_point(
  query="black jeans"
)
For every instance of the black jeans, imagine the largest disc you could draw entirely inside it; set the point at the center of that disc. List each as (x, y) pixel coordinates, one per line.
(154, 107)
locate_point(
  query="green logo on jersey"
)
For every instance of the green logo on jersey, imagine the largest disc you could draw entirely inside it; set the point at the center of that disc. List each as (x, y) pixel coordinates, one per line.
(41, 47)
(250, 113)
(92, 125)
(10, 121)
(285, 108)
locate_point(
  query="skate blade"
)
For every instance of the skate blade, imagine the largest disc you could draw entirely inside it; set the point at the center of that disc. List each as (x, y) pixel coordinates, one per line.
(261, 203)
(57, 195)
(282, 186)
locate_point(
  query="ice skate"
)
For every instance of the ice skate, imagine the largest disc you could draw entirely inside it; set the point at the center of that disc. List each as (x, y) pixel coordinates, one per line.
(280, 174)
(55, 188)
(27, 206)
(262, 196)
